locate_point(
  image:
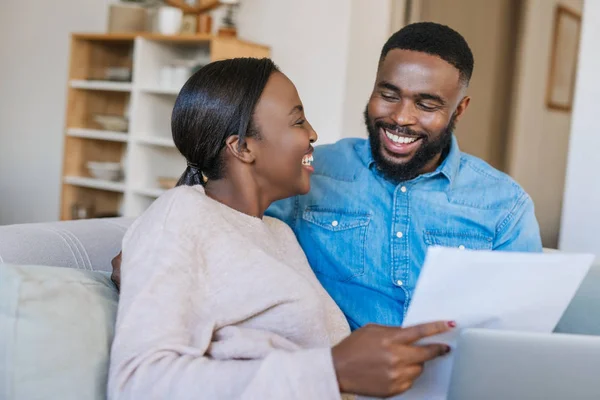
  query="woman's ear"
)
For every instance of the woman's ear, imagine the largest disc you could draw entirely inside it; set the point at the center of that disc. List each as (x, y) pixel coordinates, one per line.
(239, 150)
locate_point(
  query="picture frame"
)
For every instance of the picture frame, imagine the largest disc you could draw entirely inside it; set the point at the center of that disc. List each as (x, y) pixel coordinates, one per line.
(560, 89)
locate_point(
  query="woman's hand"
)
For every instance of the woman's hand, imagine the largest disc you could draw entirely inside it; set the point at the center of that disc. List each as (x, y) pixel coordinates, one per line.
(383, 361)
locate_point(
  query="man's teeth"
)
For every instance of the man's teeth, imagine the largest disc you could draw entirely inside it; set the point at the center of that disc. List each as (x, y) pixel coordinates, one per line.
(399, 139)
(307, 160)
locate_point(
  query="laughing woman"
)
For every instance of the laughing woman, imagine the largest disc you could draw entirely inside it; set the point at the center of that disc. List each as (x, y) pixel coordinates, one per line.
(217, 300)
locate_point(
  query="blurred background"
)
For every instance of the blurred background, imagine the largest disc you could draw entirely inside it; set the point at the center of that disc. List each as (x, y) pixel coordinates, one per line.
(86, 88)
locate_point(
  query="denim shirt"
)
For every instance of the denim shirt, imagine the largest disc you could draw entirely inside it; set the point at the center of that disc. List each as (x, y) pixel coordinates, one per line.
(366, 238)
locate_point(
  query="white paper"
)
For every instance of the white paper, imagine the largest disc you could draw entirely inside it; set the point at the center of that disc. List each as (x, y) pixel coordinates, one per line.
(485, 289)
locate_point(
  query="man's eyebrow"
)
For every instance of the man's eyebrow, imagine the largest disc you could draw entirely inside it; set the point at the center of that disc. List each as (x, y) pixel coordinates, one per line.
(389, 86)
(297, 108)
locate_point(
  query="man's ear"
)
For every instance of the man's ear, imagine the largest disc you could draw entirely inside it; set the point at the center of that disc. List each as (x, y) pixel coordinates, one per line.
(462, 107)
(239, 150)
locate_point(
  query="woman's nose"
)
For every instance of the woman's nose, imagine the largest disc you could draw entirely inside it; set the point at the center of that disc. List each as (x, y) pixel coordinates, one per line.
(313, 137)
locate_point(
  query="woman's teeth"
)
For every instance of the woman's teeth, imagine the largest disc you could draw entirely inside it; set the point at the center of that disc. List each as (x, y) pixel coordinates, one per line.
(399, 139)
(307, 160)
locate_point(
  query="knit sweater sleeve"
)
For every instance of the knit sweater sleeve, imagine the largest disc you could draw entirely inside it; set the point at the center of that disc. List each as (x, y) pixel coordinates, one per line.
(164, 332)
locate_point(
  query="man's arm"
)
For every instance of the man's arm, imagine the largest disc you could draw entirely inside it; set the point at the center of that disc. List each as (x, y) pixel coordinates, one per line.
(519, 231)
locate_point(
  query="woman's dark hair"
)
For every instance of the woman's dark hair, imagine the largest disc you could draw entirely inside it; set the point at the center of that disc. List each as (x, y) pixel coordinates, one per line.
(218, 101)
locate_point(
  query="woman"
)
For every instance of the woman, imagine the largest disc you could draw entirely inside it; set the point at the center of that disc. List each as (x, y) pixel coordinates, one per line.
(218, 301)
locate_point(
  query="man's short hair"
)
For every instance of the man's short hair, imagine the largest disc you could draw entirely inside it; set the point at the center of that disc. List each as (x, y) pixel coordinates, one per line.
(437, 40)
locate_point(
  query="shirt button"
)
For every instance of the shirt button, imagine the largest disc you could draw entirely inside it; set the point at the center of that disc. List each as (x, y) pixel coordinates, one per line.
(334, 223)
(403, 189)
(461, 247)
(399, 235)
(399, 283)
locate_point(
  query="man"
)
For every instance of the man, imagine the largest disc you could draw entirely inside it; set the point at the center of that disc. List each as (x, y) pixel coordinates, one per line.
(376, 205)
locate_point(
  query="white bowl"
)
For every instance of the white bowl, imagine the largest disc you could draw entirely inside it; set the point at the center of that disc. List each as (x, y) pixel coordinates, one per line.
(107, 171)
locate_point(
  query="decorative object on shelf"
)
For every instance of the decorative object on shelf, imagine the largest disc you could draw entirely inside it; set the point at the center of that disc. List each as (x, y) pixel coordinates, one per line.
(194, 6)
(189, 24)
(204, 25)
(169, 20)
(229, 27)
(166, 182)
(82, 211)
(563, 63)
(118, 74)
(106, 171)
(113, 123)
(175, 74)
(126, 18)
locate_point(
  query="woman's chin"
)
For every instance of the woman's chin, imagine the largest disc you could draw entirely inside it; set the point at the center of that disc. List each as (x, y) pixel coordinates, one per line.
(304, 187)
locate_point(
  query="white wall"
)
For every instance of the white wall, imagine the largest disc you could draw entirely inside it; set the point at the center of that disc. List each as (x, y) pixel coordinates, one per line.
(489, 28)
(539, 137)
(581, 212)
(34, 46)
(369, 29)
(309, 42)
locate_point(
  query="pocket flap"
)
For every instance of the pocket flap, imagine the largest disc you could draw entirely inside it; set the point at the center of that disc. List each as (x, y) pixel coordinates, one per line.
(335, 220)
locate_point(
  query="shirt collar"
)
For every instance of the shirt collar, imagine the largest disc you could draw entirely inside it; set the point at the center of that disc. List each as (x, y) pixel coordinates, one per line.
(449, 167)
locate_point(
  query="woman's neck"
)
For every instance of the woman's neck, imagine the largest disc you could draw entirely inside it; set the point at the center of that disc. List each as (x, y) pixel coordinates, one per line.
(244, 197)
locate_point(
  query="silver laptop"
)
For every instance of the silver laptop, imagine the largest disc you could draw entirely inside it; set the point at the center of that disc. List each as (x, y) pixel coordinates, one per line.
(501, 365)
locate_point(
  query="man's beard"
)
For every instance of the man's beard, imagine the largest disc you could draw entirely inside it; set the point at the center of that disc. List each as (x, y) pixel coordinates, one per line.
(400, 172)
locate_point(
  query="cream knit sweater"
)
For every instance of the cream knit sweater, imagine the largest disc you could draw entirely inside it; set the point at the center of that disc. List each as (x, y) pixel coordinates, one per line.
(216, 304)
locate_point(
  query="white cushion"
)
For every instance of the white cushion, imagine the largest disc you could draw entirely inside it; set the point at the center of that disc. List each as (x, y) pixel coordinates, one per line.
(56, 326)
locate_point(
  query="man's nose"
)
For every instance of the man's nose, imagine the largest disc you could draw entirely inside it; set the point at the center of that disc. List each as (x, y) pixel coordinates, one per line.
(404, 114)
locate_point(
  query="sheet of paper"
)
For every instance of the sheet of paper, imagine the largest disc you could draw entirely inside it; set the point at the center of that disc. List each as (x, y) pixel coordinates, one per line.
(485, 289)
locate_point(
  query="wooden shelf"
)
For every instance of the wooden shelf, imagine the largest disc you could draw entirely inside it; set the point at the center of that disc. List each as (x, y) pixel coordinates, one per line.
(98, 134)
(101, 85)
(148, 107)
(156, 141)
(161, 90)
(129, 37)
(157, 37)
(95, 184)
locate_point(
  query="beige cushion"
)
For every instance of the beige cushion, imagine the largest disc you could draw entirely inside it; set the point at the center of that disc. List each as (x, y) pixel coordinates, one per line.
(56, 328)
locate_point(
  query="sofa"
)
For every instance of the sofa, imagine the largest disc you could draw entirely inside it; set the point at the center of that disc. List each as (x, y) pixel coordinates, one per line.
(84, 244)
(83, 247)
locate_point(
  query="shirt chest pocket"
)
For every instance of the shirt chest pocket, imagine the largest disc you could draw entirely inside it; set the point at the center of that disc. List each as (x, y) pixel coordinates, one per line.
(460, 240)
(335, 241)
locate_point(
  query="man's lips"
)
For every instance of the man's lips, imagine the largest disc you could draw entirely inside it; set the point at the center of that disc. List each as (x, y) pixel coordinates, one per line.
(397, 143)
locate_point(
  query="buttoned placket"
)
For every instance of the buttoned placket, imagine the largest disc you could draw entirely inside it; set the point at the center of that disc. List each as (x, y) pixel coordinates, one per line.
(400, 240)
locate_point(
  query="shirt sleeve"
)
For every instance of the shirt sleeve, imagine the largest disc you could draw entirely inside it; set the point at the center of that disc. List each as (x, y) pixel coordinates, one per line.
(163, 333)
(519, 231)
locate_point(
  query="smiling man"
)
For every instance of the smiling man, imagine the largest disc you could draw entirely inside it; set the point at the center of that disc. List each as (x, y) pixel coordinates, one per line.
(377, 204)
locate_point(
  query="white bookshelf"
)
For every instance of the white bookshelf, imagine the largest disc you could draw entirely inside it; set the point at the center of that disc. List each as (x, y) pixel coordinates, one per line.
(93, 183)
(146, 150)
(98, 134)
(100, 85)
(156, 141)
(170, 91)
